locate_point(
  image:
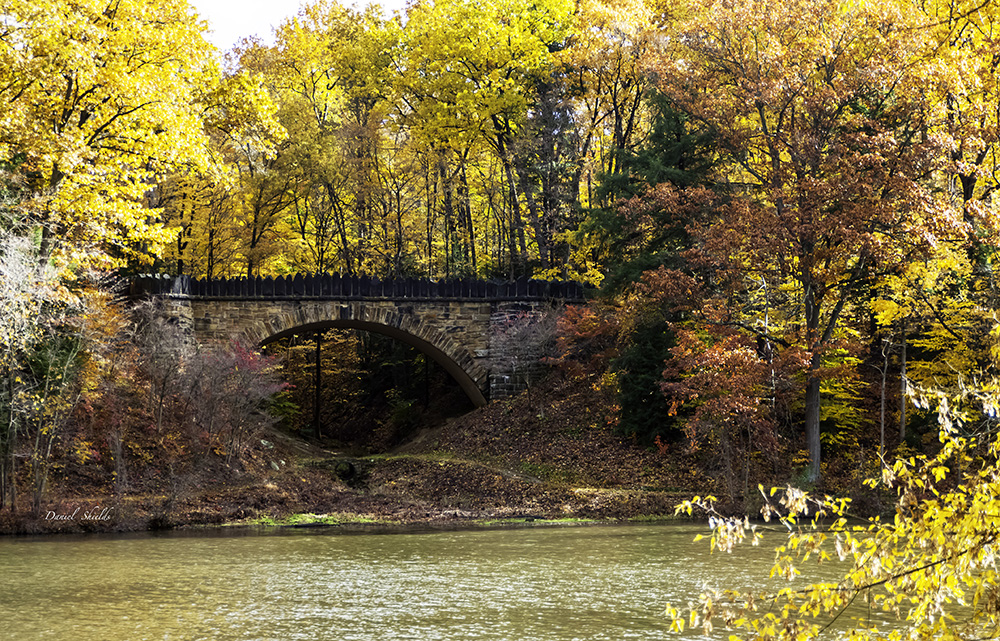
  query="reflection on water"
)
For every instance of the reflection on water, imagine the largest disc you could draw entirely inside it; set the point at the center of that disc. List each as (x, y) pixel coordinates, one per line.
(541, 583)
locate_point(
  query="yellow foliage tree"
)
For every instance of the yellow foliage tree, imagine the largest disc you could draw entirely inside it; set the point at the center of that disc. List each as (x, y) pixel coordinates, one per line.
(608, 60)
(468, 73)
(932, 565)
(100, 98)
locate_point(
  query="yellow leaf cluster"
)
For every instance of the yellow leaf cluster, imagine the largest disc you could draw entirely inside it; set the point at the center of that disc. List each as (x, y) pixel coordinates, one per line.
(99, 100)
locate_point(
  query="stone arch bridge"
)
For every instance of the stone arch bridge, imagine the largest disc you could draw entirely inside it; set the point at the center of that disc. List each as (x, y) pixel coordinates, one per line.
(460, 324)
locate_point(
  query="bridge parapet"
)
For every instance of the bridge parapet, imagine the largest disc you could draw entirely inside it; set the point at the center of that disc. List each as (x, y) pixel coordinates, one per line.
(338, 287)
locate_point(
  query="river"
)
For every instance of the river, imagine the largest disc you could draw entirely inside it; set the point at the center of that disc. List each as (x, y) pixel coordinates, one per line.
(539, 583)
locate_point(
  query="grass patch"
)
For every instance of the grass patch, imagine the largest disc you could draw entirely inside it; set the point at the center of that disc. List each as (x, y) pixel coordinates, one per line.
(307, 519)
(547, 472)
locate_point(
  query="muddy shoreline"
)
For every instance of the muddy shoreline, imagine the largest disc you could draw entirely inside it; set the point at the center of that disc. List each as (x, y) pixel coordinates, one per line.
(396, 494)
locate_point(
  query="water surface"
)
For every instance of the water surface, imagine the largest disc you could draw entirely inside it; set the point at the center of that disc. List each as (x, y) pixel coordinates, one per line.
(531, 584)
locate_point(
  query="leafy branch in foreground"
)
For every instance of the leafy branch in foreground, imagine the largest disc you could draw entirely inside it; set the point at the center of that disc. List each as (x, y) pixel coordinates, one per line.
(932, 565)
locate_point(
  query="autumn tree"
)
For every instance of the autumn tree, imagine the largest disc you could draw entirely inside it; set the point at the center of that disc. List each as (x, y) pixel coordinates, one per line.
(932, 565)
(245, 128)
(202, 208)
(962, 51)
(467, 76)
(54, 338)
(607, 63)
(449, 143)
(817, 108)
(25, 289)
(227, 393)
(545, 157)
(937, 312)
(639, 230)
(319, 188)
(101, 98)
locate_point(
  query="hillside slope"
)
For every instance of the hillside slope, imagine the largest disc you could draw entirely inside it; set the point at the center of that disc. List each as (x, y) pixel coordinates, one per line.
(545, 454)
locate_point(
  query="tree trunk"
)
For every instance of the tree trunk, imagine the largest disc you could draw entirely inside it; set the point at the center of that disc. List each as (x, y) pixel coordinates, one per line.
(812, 318)
(541, 238)
(210, 259)
(7, 438)
(885, 372)
(902, 386)
(465, 207)
(449, 217)
(812, 421)
(431, 201)
(318, 386)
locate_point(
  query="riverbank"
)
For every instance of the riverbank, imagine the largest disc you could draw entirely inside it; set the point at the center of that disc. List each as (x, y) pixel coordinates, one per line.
(545, 455)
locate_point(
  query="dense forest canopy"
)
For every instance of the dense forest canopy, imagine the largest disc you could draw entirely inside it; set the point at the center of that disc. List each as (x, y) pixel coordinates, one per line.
(457, 142)
(780, 200)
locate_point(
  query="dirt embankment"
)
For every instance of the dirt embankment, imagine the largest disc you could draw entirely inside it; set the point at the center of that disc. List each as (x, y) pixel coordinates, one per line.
(545, 455)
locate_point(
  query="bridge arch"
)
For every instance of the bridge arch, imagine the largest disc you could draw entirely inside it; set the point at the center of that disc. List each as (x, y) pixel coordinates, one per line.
(407, 328)
(454, 322)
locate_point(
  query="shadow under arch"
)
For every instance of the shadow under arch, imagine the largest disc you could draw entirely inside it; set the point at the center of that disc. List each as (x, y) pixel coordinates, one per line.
(464, 379)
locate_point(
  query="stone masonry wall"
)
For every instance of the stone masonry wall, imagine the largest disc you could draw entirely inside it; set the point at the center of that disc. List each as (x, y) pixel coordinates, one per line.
(496, 344)
(215, 321)
(460, 329)
(520, 334)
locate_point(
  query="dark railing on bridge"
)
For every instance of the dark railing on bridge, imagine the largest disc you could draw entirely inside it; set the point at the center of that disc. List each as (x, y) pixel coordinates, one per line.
(339, 287)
